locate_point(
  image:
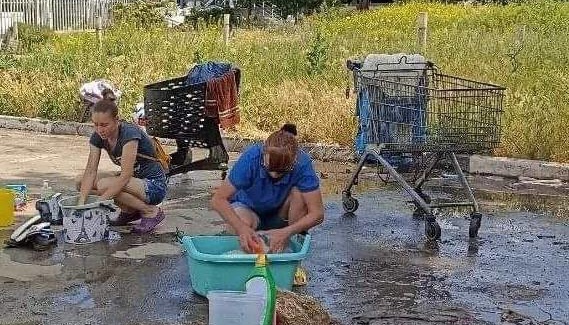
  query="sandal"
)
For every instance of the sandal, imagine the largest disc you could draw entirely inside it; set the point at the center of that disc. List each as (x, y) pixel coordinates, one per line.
(125, 218)
(146, 225)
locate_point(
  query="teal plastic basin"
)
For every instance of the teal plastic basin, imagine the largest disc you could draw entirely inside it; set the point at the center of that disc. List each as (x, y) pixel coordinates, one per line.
(210, 270)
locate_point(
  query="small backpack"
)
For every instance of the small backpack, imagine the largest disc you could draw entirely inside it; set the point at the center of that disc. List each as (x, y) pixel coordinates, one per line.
(161, 155)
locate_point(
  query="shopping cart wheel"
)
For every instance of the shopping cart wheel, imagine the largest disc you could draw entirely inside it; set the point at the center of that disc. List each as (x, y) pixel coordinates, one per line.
(350, 204)
(418, 213)
(475, 218)
(432, 230)
(424, 196)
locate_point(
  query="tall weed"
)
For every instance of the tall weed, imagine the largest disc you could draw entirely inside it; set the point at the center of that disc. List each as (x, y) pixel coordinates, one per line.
(520, 46)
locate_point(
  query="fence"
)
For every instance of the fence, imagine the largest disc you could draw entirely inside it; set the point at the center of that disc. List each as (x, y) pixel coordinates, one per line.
(259, 9)
(58, 15)
(267, 9)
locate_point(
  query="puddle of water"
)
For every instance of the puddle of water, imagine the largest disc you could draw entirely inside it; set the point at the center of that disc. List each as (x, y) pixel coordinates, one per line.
(374, 260)
(79, 296)
(151, 249)
(381, 251)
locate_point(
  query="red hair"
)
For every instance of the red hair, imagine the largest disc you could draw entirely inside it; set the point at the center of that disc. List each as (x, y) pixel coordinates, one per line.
(282, 148)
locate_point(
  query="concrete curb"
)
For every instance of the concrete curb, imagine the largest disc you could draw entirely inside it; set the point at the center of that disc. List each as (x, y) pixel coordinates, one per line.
(45, 126)
(517, 168)
(322, 152)
(475, 164)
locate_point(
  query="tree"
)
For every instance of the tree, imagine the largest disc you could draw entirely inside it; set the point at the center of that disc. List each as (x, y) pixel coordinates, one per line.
(363, 4)
(286, 7)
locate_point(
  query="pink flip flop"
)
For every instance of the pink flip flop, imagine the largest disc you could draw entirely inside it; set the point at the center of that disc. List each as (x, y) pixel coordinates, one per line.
(146, 225)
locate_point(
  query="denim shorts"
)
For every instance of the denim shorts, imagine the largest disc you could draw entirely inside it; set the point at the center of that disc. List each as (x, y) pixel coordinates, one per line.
(155, 189)
(266, 221)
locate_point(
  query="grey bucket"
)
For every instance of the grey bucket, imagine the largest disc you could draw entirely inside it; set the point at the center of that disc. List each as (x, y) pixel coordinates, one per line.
(87, 223)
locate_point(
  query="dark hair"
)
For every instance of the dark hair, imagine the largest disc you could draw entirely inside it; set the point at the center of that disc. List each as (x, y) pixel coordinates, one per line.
(106, 106)
(282, 148)
(290, 128)
(108, 94)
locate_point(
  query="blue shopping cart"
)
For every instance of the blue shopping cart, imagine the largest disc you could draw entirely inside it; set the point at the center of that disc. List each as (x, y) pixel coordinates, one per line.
(406, 108)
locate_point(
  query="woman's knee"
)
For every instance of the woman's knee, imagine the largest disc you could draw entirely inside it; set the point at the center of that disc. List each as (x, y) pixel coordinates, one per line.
(103, 183)
(295, 206)
(296, 199)
(247, 216)
(295, 194)
(250, 222)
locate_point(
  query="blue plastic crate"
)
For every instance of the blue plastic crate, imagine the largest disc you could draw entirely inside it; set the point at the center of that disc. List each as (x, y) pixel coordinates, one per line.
(210, 270)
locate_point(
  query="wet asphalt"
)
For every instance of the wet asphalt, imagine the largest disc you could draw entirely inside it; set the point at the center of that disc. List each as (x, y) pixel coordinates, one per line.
(371, 267)
(376, 267)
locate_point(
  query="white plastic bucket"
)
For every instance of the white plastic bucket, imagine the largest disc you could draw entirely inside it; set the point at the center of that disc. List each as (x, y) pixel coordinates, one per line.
(87, 223)
(234, 308)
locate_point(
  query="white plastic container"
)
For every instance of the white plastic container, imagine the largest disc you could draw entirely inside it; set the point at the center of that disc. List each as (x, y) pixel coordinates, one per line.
(234, 308)
(87, 223)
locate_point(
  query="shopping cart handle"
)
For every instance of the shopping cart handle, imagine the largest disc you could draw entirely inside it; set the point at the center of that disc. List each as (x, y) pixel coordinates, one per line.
(353, 64)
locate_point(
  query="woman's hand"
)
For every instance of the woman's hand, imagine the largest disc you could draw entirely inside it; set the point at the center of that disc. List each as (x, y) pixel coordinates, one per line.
(81, 200)
(90, 174)
(249, 241)
(278, 239)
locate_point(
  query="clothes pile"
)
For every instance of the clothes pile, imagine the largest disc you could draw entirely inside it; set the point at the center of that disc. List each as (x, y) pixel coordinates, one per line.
(36, 233)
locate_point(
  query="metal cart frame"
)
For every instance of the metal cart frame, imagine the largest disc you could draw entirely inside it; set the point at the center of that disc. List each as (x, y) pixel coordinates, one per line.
(175, 110)
(423, 112)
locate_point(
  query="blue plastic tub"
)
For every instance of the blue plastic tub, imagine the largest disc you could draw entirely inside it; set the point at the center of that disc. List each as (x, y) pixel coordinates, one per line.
(211, 270)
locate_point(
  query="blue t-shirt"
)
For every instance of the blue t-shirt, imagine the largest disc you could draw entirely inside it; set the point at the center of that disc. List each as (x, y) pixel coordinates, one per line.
(256, 188)
(143, 168)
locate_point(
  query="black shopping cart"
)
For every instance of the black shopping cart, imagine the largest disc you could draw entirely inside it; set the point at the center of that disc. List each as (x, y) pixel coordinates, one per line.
(177, 110)
(410, 111)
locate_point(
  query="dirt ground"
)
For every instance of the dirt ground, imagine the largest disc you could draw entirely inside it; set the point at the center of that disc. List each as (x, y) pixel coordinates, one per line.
(371, 267)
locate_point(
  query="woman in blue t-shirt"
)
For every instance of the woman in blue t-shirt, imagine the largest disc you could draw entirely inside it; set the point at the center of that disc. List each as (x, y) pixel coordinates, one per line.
(273, 188)
(141, 184)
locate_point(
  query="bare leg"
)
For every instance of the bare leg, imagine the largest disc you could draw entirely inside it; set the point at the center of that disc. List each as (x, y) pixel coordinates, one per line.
(129, 202)
(294, 207)
(133, 196)
(249, 217)
(79, 178)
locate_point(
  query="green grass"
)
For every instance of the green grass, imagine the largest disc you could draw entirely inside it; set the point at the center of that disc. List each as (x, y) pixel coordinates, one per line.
(297, 73)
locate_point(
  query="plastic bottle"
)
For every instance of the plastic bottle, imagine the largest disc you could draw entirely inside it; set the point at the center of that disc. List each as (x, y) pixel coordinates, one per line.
(46, 191)
(261, 282)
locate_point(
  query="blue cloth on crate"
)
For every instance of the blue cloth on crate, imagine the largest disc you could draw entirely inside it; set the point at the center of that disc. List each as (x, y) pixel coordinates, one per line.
(206, 71)
(363, 112)
(384, 134)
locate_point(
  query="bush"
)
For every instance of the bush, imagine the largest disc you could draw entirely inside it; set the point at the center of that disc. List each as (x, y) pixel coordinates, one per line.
(140, 14)
(316, 55)
(297, 73)
(32, 36)
(8, 105)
